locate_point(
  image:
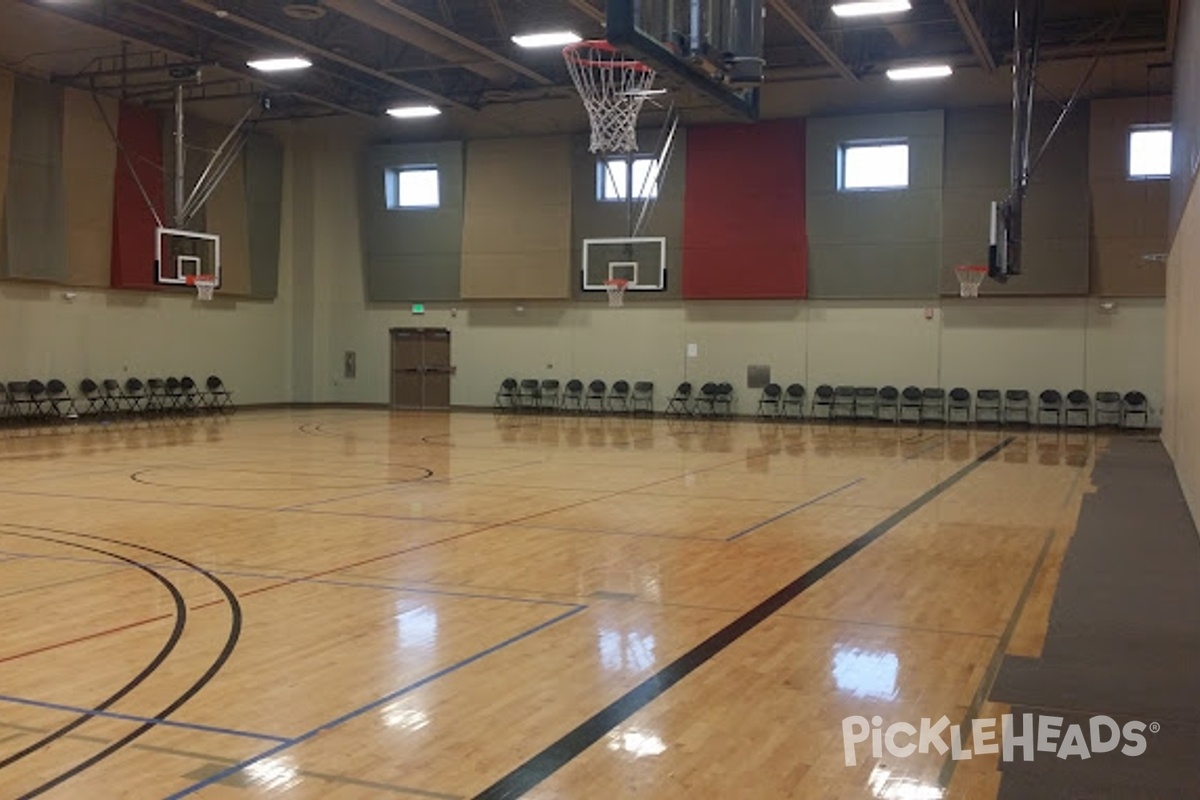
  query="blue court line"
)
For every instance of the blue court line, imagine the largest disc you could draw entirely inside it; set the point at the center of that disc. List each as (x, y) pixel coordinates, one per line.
(793, 510)
(293, 579)
(168, 723)
(328, 726)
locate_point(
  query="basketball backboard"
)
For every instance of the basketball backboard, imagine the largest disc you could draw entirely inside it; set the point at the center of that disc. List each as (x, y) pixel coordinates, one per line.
(642, 261)
(713, 45)
(180, 255)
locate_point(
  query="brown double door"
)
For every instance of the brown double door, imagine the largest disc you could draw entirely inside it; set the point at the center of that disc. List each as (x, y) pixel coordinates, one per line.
(421, 368)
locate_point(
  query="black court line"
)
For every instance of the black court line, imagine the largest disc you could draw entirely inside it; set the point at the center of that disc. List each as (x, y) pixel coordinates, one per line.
(593, 729)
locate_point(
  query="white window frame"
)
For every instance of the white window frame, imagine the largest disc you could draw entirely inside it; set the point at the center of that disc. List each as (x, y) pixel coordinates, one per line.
(845, 147)
(1146, 176)
(393, 193)
(629, 191)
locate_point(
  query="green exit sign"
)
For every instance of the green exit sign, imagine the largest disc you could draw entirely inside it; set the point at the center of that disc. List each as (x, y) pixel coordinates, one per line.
(418, 308)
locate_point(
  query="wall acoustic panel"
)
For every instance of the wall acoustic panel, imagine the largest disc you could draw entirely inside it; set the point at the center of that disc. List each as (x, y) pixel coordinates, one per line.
(592, 218)
(89, 164)
(139, 169)
(1056, 216)
(412, 254)
(875, 244)
(264, 209)
(1129, 217)
(517, 219)
(6, 98)
(744, 234)
(1185, 113)
(35, 229)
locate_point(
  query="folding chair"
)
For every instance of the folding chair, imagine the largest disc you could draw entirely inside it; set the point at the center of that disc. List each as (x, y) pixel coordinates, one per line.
(1050, 404)
(114, 398)
(573, 394)
(1078, 402)
(506, 395)
(58, 399)
(843, 402)
(189, 394)
(642, 398)
(769, 402)
(219, 397)
(1016, 406)
(156, 395)
(618, 395)
(6, 408)
(39, 402)
(174, 394)
(723, 403)
(1108, 408)
(889, 404)
(1135, 410)
(933, 404)
(793, 397)
(89, 393)
(911, 401)
(134, 396)
(987, 406)
(822, 404)
(597, 391)
(529, 396)
(959, 407)
(706, 403)
(866, 402)
(549, 397)
(19, 402)
(678, 404)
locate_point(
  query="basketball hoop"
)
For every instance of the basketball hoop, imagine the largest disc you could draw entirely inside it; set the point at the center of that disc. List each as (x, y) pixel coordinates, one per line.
(613, 88)
(616, 291)
(970, 279)
(204, 285)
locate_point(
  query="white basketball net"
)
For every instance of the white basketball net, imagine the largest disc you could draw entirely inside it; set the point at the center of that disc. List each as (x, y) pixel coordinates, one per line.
(613, 88)
(204, 288)
(616, 291)
(969, 280)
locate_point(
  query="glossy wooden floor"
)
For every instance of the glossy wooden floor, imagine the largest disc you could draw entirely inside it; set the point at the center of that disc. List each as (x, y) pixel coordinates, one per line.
(337, 603)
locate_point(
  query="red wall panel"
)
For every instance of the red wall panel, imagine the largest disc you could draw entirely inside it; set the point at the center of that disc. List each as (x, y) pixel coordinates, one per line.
(139, 132)
(744, 230)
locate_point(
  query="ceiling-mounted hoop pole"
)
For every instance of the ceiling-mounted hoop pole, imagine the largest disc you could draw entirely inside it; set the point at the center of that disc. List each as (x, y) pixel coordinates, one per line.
(663, 153)
(180, 156)
(128, 161)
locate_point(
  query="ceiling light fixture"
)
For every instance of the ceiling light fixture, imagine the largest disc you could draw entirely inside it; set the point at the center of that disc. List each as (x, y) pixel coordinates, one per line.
(413, 112)
(548, 39)
(871, 8)
(286, 64)
(920, 73)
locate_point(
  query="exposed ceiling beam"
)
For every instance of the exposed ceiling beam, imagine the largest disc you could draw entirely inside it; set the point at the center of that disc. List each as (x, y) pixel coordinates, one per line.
(809, 35)
(463, 41)
(975, 38)
(1172, 28)
(589, 9)
(306, 47)
(498, 18)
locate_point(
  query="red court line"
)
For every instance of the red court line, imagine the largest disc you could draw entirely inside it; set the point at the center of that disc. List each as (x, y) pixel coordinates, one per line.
(79, 639)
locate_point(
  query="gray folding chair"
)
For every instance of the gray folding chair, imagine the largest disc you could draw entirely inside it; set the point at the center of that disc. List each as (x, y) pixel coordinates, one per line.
(987, 406)
(1108, 408)
(843, 402)
(572, 398)
(793, 399)
(618, 397)
(959, 407)
(889, 404)
(1135, 410)
(1050, 407)
(1079, 404)
(549, 395)
(910, 404)
(597, 391)
(822, 405)
(1016, 406)
(506, 395)
(642, 398)
(770, 402)
(678, 404)
(866, 402)
(933, 405)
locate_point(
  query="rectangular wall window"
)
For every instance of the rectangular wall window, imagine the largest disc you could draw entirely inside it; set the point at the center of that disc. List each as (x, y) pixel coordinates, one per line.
(873, 166)
(1149, 152)
(412, 187)
(623, 177)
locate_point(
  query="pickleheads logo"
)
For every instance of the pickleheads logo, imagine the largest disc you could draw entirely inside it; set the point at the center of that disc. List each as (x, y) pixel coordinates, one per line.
(1101, 734)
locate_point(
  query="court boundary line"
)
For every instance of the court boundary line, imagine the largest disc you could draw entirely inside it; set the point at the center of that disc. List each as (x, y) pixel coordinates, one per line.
(363, 709)
(542, 765)
(793, 510)
(168, 723)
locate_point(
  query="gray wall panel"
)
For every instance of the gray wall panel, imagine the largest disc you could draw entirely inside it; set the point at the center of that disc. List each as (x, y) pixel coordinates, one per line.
(35, 241)
(882, 244)
(413, 255)
(264, 206)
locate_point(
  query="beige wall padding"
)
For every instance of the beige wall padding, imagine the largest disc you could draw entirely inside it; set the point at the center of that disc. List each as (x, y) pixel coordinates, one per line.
(517, 219)
(1181, 414)
(226, 216)
(1129, 218)
(89, 162)
(6, 100)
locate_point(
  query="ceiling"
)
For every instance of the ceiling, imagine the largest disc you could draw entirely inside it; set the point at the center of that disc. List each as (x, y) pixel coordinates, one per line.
(456, 54)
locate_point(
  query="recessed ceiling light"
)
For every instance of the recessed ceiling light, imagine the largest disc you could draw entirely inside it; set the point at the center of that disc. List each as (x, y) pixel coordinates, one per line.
(920, 73)
(548, 39)
(871, 7)
(413, 112)
(279, 64)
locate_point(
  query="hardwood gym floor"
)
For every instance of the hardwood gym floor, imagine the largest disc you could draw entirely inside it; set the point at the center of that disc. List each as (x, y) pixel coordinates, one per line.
(352, 603)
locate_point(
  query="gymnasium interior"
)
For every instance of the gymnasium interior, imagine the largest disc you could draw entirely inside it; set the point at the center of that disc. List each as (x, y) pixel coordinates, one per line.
(584, 399)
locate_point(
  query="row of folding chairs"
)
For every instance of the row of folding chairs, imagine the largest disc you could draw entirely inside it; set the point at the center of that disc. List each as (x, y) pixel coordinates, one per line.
(934, 404)
(597, 396)
(33, 400)
(712, 400)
